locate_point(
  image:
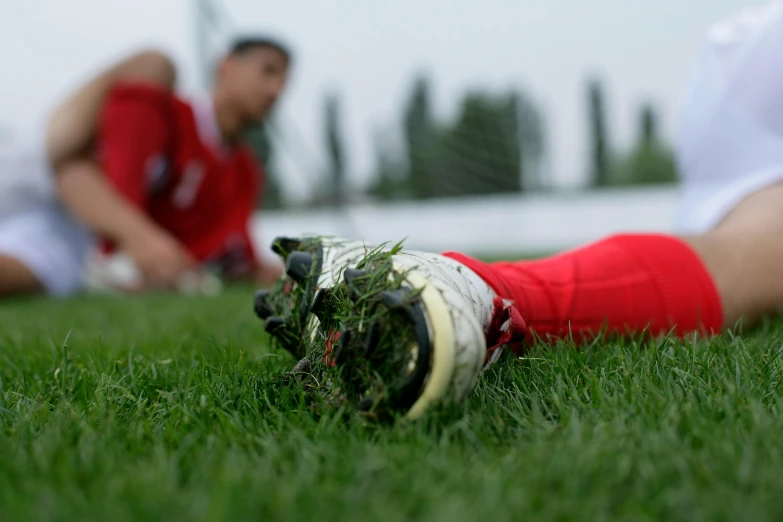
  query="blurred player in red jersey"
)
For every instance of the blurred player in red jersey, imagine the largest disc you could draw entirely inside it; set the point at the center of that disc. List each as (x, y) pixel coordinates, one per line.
(126, 162)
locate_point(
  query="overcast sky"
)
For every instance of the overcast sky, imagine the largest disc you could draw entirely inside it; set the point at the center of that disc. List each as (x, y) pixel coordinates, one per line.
(368, 51)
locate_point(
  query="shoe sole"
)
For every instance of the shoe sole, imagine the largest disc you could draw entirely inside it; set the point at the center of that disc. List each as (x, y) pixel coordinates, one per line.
(285, 308)
(382, 331)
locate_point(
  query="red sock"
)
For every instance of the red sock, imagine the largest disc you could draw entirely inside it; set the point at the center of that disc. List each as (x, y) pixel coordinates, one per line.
(622, 283)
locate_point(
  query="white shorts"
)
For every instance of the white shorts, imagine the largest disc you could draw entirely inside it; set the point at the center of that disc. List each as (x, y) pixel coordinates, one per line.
(34, 228)
(730, 143)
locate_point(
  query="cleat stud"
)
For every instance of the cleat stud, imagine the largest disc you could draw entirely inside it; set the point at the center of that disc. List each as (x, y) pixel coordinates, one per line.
(371, 340)
(299, 265)
(276, 326)
(261, 306)
(367, 403)
(282, 246)
(350, 275)
(394, 299)
(342, 350)
(353, 293)
(274, 323)
(321, 303)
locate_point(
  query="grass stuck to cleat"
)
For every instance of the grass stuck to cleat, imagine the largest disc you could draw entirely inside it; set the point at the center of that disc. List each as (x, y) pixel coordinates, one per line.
(351, 324)
(372, 341)
(374, 330)
(311, 264)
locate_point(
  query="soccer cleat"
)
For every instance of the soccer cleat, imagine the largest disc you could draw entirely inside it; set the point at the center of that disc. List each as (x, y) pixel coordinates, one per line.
(417, 332)
(311, 264)
(403, 331)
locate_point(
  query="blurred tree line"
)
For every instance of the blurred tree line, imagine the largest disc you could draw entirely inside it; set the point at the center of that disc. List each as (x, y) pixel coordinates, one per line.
(495, 144)
(650, 160)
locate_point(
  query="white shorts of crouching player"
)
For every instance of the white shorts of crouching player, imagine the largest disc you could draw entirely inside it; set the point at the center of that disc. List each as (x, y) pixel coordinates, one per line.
(34, 228)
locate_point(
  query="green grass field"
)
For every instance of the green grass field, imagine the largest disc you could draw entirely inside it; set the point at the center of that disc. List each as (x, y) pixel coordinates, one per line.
(166, 408)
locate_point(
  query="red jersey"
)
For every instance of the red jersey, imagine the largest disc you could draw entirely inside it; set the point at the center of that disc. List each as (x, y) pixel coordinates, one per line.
(165, 155)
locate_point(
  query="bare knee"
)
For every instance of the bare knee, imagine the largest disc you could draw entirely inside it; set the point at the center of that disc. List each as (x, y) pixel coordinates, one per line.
(744, 255)
(745, 267)
(759, 211)
(73, 125)
(17, 279)
(152, 66)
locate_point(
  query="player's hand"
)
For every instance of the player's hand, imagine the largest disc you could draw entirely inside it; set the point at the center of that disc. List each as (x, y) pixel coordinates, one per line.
(160, 258)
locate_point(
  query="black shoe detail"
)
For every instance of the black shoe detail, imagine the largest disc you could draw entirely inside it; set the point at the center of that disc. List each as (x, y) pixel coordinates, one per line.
(299, 266)
(282, 246)
(261, 305)
(321, 303)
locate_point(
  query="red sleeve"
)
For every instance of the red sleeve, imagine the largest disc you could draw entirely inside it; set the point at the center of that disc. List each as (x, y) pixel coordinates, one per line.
(133, 134)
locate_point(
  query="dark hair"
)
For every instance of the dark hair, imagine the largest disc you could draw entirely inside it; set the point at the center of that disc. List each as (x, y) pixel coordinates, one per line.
(248, 43)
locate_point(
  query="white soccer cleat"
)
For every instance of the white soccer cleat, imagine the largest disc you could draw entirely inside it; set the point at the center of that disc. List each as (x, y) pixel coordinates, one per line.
(403, 331)
(452, 312)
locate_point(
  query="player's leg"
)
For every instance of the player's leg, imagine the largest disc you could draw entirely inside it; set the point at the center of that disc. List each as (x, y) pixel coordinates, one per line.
(744, 253)
(427, 323)
(463, 309)
(626, 283)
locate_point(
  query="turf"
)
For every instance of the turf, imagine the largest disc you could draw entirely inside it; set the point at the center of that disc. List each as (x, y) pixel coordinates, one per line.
(168, 408)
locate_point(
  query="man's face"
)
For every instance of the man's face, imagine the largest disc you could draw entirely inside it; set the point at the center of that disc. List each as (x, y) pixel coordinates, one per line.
(255, 79)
